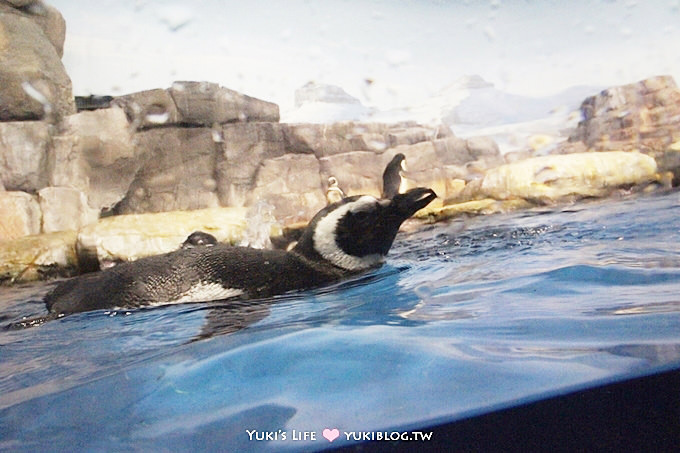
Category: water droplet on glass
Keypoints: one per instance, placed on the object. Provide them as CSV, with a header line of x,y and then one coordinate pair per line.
x,y
398,57
175,16
489,33
35,94
210,184
217,136
471,22
260,218
157,117
376,145
178,86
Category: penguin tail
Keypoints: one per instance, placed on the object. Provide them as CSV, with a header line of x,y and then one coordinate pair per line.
x,y
32,322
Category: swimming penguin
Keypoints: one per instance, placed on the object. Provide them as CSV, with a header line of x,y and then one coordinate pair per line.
x,y
334,193
199,238
344,238
393,180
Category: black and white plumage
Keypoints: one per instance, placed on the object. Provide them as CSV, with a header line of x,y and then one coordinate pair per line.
x,y
342,239
334,193
393,179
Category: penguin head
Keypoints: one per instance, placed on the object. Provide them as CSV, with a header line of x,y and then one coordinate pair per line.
x,y
357,232
398,163
198,238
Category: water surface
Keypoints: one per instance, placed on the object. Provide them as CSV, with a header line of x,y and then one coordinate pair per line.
x,y
465,317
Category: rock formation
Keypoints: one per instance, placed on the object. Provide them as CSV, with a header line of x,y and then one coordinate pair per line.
x,y
642,116
129,237
33,79
194,104
551,178
162,163
286,165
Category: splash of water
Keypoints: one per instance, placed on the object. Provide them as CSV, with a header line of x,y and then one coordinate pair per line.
x,y
260,219
34,93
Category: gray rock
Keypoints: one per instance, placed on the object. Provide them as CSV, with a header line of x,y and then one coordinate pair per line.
x,y
409,136
668,161
33,81
64,208
482,147
321,139
205,103
23,155
52,23
95,155
419,157
194,104
643,116
359,172
452,151
245,147
149,108
22,3
296,195
19,215
369,141
176,173
338,138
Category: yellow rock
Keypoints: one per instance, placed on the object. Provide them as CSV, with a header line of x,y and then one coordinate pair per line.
x,y
454,189
38,256
19,215
129,237
476,207
554,177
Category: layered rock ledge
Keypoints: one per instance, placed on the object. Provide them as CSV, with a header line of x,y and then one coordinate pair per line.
x,y
80,190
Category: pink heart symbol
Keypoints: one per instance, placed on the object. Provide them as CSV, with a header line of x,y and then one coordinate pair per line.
x,y
331,434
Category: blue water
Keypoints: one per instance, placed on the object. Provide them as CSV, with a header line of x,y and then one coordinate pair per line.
x,y
466,317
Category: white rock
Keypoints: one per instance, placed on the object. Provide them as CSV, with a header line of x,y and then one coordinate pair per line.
x,y
64,208
129,237
556,176
19,215
23,154
39,257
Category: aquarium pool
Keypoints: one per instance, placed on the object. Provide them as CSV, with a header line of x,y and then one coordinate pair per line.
x,y
466,317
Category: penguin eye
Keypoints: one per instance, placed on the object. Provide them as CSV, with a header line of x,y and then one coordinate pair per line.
x,y
361,215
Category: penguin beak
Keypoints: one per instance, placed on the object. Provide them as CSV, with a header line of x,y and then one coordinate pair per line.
x,y
404,205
